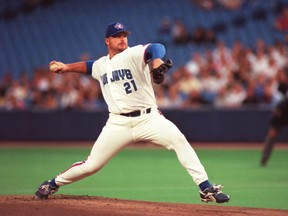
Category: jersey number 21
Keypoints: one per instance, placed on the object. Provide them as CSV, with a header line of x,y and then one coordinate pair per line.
x,y
130,86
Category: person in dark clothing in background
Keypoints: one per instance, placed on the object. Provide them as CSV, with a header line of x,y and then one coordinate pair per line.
x,y
278,120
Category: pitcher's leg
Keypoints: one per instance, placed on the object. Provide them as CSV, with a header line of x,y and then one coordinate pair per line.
x,y
190,161
114,137
108,144
163,132
186,155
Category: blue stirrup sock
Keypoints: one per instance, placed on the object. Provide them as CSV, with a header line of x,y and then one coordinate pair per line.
x,y
53,183
204,185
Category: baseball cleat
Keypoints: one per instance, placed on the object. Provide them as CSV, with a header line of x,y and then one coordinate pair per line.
x,y
44,190
214,194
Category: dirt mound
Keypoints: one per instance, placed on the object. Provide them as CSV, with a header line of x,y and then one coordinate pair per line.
x,y
15,205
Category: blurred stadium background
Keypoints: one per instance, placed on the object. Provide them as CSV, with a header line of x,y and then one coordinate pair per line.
x,y
34,32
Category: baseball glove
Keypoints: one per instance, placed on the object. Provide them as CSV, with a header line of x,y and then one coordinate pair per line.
x,y
158,73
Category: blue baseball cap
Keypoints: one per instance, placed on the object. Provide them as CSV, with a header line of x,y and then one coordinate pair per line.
x,y
115,28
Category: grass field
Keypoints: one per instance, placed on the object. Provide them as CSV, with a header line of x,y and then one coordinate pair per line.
x,y
152,174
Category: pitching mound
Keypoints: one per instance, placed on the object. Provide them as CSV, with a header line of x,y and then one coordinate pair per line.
x,y
12,205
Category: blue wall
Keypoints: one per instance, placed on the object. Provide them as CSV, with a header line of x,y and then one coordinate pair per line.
x,y
203,125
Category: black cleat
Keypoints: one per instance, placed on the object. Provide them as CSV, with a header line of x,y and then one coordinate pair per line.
x,y
44,190
214,194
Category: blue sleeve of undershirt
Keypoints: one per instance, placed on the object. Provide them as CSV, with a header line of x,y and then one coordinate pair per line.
x,y
153,51
89,66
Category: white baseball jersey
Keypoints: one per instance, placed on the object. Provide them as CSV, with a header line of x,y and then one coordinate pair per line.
x,y
125,81
126,86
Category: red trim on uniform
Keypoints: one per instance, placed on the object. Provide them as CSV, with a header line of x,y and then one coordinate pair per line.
x,y
74,165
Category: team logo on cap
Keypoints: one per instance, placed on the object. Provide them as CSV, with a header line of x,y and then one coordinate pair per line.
x,y
119,26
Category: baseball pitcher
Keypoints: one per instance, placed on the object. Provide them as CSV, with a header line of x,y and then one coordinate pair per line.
x,y
125,75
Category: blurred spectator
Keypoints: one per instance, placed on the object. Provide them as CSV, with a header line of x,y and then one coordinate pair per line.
x,y
205,4
231,4
281,22
179,32
16,95
165,26
279,53
201,35
263,89
195,64
5,83
272,69
164,30
198,35
223,59
221,50
242,67
48,101
231,97
161,97
193,100
71,93
222,76
208,58
189,87
261,45
85,56
50,91
175,99
212,83
251,99
210,36
189,83
92,96
260,63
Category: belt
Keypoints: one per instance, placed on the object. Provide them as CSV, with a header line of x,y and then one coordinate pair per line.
x,y
136,113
